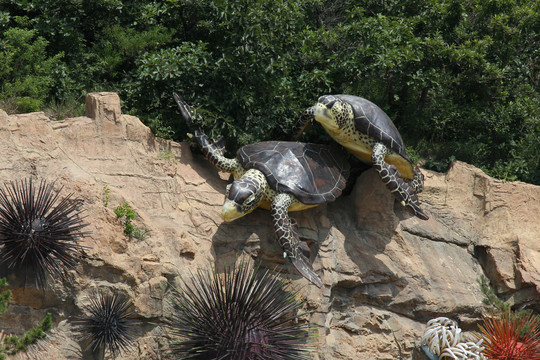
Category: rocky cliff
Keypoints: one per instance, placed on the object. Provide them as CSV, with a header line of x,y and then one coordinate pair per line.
x,y
385,273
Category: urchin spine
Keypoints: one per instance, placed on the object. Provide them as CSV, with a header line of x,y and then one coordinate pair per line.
x,y
242,314
107,324
38,232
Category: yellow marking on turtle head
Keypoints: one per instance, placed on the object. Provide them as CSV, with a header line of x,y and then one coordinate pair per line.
x,y
326,117
230,212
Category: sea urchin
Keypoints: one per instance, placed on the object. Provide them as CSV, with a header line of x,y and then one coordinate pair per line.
x,y
243,314
108,323
36,233
512,336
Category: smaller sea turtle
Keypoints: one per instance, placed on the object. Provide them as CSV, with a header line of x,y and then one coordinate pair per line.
x,y
366,131
279,176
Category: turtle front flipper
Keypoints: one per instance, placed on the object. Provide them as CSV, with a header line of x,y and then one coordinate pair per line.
x,y
394,182
302,124
287,237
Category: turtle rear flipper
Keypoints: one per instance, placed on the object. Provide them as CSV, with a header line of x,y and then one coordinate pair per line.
x,y
184,109
212,150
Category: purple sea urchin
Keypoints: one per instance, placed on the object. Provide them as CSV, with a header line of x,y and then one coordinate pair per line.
x,y
243,314
108,323
36,234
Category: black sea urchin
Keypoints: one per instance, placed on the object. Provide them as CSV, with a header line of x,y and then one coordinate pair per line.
x,y
36,234
108,323
243,314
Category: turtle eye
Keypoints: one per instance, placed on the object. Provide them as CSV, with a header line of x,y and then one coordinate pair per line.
x,y
328,101
331,104
249,201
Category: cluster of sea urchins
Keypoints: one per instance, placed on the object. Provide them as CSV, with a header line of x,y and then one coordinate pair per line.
x,y
38,233
243,314
107,323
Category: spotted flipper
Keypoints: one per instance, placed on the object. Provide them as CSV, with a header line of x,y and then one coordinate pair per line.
x,y
405,193
287,236
303,123
418,182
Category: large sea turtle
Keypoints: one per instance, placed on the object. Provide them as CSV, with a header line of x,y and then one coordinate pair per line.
x,y
367,132
280,176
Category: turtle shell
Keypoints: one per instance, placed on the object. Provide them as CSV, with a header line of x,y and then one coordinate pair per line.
x,y
372,120
313,173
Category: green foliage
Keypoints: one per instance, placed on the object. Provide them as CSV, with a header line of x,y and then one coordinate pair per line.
x,y
168,155
4,301
107,197
127,214
68,108
490,297
461,80
25,69
12,345
5,296
140,233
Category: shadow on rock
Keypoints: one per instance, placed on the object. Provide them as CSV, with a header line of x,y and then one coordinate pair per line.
x,y
254,235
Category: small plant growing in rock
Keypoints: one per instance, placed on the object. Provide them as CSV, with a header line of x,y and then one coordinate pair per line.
x,y
106,195
11,345
107,324
243,314
5,296
14,344
167,155
127,214
38,234
490,297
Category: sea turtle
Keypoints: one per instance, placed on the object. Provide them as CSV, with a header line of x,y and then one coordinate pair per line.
x,y
367,132
279,176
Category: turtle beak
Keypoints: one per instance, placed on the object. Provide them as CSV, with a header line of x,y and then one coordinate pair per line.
x,y
323,115
230,211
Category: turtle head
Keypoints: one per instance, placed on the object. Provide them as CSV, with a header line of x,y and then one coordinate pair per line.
x,y
332,112
242,196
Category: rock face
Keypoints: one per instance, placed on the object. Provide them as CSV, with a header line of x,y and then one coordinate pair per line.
x,y
385,273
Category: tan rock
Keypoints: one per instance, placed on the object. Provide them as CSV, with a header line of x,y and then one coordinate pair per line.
x,y
103,106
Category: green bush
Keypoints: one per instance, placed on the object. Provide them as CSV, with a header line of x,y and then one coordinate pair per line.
x,y
25,69
459,79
